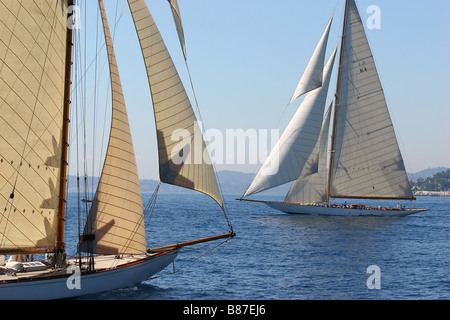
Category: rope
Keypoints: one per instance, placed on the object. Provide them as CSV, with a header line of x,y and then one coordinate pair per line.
x,y
223,207
193,261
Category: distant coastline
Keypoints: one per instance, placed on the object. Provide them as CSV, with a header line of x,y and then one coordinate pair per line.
x,y
235,182
433,193
437,183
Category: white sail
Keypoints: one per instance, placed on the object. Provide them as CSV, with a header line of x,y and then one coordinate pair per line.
x,y
32,78
183,158
178,23
312,188
116,217
312,76
366,161
291,155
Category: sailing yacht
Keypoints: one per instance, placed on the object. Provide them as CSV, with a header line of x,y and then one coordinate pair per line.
x,y
35,90
364,159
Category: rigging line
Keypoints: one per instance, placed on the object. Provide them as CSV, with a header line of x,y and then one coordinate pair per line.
x,y
202,130
108,89
94,130
84,109
80,96
193,90
193,260
78,93
223,207
149,209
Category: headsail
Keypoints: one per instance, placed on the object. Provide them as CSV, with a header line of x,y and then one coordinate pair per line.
x,y
116,217
312,76
183,162
32,68
291,155
366,161
312,188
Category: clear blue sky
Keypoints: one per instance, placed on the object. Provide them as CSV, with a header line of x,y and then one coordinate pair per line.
x,y
246,58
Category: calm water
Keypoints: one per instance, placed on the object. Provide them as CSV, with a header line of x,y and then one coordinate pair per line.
x,y
279,256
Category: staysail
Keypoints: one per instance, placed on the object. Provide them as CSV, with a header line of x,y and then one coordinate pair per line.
x,y
116,223
312,76
183,159
312,188
366,160
32,68
179,24
291,155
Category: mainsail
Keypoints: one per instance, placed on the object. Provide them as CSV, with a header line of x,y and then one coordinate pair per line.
x,y
183,162
291,155
32,68
366,160
116,223
312,76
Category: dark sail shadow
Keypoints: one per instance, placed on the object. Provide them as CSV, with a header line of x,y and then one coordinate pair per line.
x,y
169,172
54,161
89,242
53,201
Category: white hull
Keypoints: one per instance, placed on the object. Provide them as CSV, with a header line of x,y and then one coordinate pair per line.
x,y
338,211
100,281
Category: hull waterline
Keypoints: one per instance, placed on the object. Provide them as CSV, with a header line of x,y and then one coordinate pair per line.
x,y
340,211
355,210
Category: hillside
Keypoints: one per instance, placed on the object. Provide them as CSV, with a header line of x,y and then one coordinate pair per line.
x,y
440,181
425,173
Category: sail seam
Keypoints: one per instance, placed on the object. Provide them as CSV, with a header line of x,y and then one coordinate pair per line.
x,y
186,99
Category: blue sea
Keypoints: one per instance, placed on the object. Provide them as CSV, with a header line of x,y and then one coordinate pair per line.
x,y
278,256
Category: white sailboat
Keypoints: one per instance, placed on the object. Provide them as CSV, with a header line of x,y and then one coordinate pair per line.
x,y
35,65
364,159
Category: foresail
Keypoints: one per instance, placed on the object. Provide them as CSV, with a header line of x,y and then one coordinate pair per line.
x,y
366,160
312,76
32,69
183,158
291,155
312,188
178,23
116,220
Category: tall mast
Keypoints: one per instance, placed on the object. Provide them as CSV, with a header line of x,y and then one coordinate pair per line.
x,y
336,104
60,244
